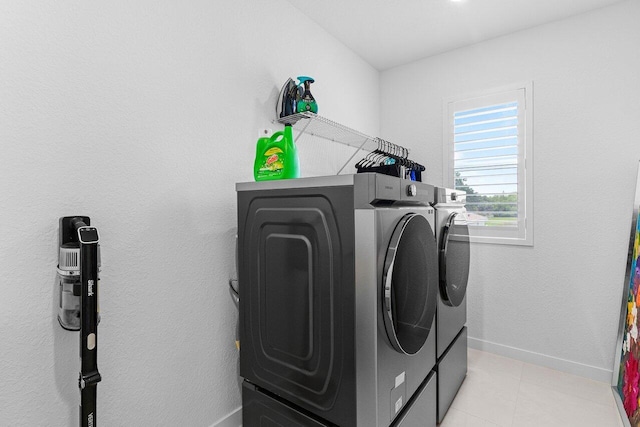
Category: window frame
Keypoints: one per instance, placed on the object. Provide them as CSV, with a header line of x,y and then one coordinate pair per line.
x,y
523,92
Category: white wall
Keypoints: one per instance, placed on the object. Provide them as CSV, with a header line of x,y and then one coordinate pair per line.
x,y
143,115
556,303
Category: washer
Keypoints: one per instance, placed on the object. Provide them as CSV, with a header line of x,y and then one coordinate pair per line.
x,y
338,292
452,234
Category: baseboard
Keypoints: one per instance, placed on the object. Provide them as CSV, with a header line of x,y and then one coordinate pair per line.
x,y
568,366
620,407
234,419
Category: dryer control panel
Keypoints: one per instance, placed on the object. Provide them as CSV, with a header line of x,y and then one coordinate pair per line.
x,y
388,189
450,195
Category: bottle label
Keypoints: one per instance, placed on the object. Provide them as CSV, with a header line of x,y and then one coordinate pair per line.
x,y
272,164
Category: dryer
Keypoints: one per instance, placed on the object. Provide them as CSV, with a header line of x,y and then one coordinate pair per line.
x,y
338,291
452,234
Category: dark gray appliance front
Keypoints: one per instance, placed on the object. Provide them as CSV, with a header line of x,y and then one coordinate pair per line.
x,y
406,325
452,369
260,409
454,259
338,288
420,412
297,341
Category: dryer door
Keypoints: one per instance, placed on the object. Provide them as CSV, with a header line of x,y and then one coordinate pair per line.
x,y
410,281
454,259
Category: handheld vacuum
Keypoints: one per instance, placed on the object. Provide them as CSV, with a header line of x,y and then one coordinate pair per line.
x,y
78,267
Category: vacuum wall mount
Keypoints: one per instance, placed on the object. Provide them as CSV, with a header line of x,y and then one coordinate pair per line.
x,y
78,267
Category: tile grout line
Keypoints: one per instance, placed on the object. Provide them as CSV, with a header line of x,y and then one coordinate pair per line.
x,y
515,409
522,379
495,370
566,394
481,418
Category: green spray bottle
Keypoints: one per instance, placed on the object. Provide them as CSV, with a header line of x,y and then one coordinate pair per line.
x,y
276,157
306,102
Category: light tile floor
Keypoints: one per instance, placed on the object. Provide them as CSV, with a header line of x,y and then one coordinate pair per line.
x,y
502,392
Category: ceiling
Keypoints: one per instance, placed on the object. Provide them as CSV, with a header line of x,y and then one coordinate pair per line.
x,y
388,33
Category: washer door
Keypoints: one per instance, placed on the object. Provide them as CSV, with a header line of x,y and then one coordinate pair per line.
x,y
454,259
410,284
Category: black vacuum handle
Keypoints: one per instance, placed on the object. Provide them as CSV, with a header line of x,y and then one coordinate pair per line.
x,y
89,375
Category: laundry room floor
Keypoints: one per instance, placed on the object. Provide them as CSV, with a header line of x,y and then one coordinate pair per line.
x,y
503,392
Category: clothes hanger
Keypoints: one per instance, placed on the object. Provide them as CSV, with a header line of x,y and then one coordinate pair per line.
x,y
366,159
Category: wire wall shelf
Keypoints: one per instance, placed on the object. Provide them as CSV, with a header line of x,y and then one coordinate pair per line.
x,y
314,125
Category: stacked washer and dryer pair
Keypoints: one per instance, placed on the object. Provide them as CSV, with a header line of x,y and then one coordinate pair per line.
x,y
339,289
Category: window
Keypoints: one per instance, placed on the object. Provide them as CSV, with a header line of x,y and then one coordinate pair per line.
x,y
488,154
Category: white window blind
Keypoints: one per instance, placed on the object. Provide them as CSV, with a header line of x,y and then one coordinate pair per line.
x,y
489,150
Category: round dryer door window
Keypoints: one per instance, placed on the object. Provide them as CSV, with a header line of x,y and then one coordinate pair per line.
x,y
409,284
454,260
